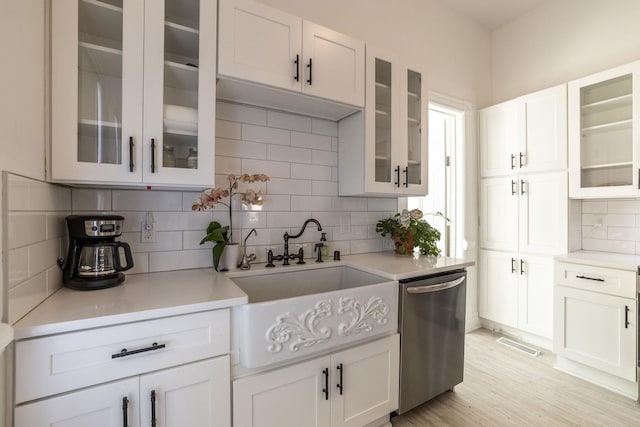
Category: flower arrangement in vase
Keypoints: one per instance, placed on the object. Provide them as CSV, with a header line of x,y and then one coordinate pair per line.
x,y
408,230
215,232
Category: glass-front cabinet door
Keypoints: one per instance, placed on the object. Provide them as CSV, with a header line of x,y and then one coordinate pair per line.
x,y
133,92
604,150
179,91
96,90
414,179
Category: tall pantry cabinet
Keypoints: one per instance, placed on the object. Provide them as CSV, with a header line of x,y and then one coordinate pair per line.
x,y
133,88
523,208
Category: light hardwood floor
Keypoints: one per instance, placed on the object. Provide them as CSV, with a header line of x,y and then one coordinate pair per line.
x,y
505,387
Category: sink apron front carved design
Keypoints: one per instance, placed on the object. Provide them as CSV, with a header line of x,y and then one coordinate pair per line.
x,y
292,314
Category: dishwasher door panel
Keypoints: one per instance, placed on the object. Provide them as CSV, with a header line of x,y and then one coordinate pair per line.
x,y
432,328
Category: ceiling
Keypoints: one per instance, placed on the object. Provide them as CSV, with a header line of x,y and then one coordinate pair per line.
x,y
492,13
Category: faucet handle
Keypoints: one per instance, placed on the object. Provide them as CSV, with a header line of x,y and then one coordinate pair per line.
x,y
301,255
270,259
318,248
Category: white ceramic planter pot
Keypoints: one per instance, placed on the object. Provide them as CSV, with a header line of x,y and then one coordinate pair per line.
x,y
230,257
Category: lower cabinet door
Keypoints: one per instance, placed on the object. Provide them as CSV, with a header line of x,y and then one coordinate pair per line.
x,y
596,330
365,382
110,405
535,295
194,395
498,287
293,396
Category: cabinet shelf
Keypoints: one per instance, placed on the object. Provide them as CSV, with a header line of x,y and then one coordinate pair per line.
x,y
100,19
607,166
181,40
619,125
181,76
100,59
96,123
413,97
607,104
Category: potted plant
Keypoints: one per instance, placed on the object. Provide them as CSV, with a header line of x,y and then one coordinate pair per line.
x,y
408,230
222,237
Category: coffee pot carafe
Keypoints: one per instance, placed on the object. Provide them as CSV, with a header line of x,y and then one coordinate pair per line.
x,y
94,259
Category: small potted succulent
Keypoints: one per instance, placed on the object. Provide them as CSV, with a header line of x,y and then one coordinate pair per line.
x,y
408,230
222,237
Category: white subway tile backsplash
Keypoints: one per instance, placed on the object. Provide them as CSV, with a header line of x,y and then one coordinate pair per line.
x,y
288,154
26,296
350,204
324,188
288,186
140,263
273,202
382,204
616,246
54,279
241,113
266,134
324,127
367,245
180,260
270,168
165,241
313,172
43,255
286,219
594,206
47,197
56,224
225,165
192,239
616,220
18,265
277,119
334,144
146,200
308,140
252,219
91,199
227,129
326,158
623,233
358,232
313,203
25,228
241,149
18,192
623,207
591,232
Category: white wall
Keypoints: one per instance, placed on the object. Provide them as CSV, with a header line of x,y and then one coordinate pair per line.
x,y
561,41
453,50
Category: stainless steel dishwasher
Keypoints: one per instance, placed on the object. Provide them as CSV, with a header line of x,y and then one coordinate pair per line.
x,y
431,321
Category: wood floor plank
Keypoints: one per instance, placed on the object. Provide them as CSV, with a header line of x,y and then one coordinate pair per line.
x,y
505,387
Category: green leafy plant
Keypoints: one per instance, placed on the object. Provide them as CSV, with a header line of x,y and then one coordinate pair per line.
x,y
218,235
408,230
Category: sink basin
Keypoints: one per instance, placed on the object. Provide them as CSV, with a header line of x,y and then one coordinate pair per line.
x,y
292,314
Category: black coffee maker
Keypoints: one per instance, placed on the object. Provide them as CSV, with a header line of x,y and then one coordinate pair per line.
x,y
93,260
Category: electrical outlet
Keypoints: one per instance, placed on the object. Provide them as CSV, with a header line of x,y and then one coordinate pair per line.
x,y
148,230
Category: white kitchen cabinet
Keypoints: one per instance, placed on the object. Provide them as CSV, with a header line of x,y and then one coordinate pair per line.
x,y
604,138
195,395
595,332
133,92
263,45
517,291
525,213
350,388
182,359
527,134
383,150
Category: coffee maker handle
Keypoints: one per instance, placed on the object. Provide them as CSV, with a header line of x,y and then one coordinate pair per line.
x,y
127,254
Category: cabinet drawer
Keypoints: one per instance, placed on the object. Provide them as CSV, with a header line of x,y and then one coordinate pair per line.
x,y
58,363
598,279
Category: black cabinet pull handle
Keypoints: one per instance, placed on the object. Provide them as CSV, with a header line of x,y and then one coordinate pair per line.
x,y
153,155
397,171
513,161
521,157
522,186
590,278
513,187
310,71
125,407
521,267
626,317
124,352
325,390
406,177
513,265
131,165
297,62
153,408
339,385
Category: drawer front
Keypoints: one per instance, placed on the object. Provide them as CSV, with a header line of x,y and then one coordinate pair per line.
x,y
59,363
608,281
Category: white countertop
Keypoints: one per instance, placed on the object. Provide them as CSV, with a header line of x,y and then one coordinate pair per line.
x,y
140,297
399,267
172,293
602,259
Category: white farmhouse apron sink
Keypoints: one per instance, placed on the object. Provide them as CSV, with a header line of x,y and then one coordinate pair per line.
x,y
296,313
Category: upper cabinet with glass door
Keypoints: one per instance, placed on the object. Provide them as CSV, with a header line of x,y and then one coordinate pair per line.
x,y
383,150
118,64
604,143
